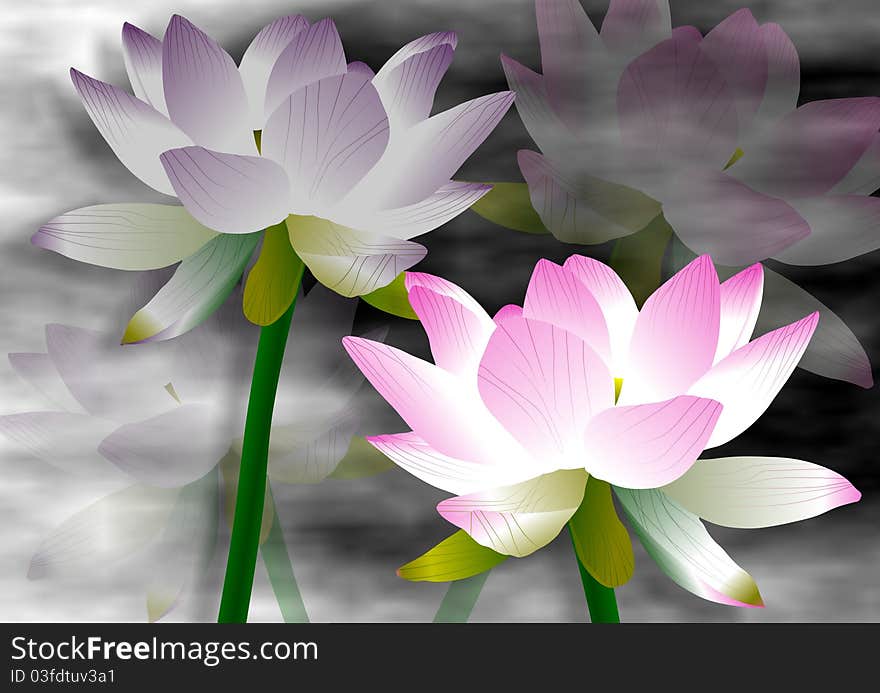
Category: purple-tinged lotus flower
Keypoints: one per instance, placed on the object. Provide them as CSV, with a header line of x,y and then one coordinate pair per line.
x,y
349,159
160,419
519,411
637,119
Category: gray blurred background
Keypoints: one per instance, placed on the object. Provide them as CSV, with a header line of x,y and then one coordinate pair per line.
x,y
348,537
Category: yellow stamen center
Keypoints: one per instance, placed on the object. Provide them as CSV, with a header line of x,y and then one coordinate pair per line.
x,y
737,155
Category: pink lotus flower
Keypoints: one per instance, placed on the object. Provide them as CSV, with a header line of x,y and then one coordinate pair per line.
x,y
706,126
350,159
637,119
519,410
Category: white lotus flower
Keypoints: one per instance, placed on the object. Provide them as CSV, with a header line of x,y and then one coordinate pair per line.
x,y
351,161
166,415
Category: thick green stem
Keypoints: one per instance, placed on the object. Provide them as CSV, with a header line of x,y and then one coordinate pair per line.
x,y
601,601
280,571
249,500
460,599
638,260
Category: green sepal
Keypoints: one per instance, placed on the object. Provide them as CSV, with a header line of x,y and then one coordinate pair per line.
x,y
393,299
274,279
455,558
361,460
509,205
600,539
638,259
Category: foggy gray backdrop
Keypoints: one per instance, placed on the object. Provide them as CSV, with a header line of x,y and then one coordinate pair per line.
x,y
347,538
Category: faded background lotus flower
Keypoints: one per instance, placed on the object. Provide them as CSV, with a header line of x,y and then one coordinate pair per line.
x,y
343,164
519,415
347,538
163,423
637,118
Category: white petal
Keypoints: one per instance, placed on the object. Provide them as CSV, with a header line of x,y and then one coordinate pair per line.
x,y
752,492
557,296
314,54
435,404
740,304
259,59
408,81
307,452
108,379
109,529
834,351
414,220
632,26
124,236
544,384
783,77
534,109
348,261
457,326
737,46
427,155
520,519
136,132
182,553
227,192
203,90
675,107
327,135
66,441
864,177
748,380
616,301
648,445
578,75
681,547
587,210
40,373
675,336
412,453
143,63
169,450
199,286
841,227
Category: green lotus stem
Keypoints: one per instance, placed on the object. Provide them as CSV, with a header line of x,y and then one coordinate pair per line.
x,y
601,602
460,599
249,499
638,260
280,570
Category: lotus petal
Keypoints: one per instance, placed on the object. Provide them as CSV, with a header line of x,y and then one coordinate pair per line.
x,y
680,545
124,236
752,492
259,59
520,519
